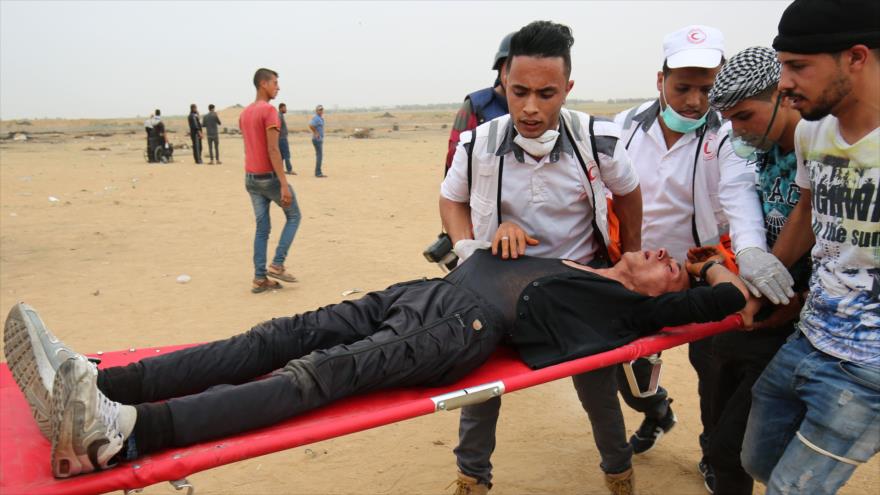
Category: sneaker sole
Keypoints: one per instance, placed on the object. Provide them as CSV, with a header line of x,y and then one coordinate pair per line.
x,y
23,350
287,278
75,442
659,435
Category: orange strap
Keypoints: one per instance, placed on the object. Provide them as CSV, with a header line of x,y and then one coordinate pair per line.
x,y
614,250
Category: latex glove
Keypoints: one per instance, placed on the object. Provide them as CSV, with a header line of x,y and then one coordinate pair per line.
x,y
764,274
466,247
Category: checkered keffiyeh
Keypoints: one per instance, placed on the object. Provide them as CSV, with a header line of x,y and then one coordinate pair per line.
x,y
746,74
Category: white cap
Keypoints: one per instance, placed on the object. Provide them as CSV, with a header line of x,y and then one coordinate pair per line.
x,y
694,46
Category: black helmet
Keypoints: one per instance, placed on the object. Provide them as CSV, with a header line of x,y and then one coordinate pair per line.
x,y
502,52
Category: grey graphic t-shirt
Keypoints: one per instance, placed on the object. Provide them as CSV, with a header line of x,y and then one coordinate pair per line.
x,y
842,314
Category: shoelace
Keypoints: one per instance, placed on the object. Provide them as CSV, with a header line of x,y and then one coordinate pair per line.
x,y
108,411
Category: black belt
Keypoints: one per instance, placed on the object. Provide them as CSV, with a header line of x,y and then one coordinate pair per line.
x,y
261,176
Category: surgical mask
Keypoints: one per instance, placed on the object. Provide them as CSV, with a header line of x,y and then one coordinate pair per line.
x,y
743,147
540,146
676,121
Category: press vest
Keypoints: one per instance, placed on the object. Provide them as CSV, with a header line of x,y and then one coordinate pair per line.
x,y
487,104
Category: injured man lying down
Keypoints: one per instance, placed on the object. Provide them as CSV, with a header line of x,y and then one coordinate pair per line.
x,y
419,333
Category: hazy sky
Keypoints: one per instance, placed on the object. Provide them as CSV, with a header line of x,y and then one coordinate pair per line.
x,y
121,59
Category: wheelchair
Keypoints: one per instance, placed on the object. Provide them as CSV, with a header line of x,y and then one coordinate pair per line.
x,y
158,151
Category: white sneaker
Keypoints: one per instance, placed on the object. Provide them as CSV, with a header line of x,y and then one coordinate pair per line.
x,y
34,355
85,429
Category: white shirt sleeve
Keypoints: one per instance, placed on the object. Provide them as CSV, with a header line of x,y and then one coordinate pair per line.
x,y
455,185
802,179
618,173
739,198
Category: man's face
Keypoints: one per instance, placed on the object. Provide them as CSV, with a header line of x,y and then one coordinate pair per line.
x,y
320,112
750,119
282,109
270,86
816,83
655,272
536,89
687,89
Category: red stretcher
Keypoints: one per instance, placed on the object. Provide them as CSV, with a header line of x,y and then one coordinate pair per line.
x,y
25,454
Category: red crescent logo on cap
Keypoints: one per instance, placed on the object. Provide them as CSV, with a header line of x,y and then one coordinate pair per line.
x,y
696,36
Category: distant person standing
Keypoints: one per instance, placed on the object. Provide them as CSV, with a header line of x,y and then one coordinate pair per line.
x,y
212,123
283,144
265,181
316,125
195,133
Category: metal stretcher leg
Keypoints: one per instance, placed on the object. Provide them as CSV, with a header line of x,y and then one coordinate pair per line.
x,y
656,364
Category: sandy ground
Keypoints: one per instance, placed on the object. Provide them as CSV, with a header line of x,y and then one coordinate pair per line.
x,y
100,264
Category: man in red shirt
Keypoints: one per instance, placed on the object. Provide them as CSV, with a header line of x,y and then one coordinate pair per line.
x,y
265,181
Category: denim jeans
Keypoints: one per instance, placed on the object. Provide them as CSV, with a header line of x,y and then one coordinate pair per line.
x,y
319,154
814,418
263,193
284,147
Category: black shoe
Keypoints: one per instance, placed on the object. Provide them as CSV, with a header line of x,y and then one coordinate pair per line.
x,y
708,473
650,431
322,176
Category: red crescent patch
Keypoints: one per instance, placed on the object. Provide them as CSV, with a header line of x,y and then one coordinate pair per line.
x,y
696,36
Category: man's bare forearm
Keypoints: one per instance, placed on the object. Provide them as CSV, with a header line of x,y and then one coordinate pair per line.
x,y
456,219
628,208
797,236
275,154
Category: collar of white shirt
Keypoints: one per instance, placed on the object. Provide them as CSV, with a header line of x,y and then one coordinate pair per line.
x,y
563,144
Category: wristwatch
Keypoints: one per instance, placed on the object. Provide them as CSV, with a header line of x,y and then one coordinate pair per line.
x,y
705,268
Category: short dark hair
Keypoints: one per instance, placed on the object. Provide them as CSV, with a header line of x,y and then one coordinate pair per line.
x,y
192,106
211,106
666,68
158,112
282,105
542,39
263,74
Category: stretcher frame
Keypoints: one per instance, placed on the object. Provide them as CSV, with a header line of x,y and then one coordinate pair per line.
x,y
25,454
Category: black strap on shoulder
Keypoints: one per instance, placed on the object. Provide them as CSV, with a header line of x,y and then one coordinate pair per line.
x,y
603,248
470,159
498,194
631,136
720,144
694,191
593,145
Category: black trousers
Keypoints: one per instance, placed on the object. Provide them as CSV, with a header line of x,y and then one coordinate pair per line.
x,y
741,358
213,147
197,147
417,333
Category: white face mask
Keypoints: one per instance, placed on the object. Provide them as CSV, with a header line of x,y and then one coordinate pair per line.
x,y
540,146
